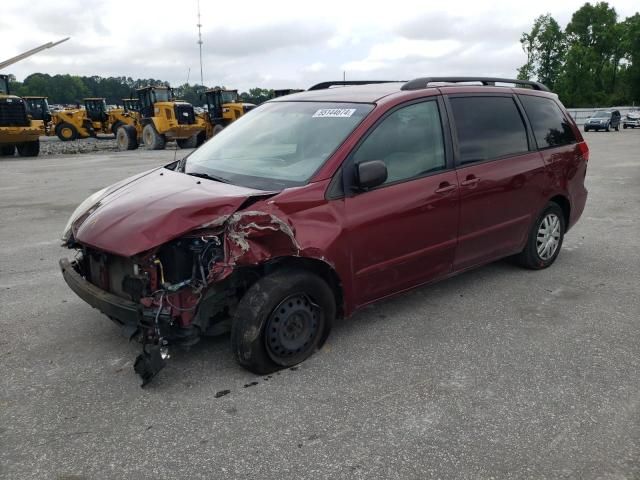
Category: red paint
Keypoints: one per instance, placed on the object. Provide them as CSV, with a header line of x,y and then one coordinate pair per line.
x,y
379,242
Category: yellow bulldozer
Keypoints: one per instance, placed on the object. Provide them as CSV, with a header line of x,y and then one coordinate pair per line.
x,y
222,108
18,131
161,118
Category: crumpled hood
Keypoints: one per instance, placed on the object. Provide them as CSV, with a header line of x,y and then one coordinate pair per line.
x,y
153,208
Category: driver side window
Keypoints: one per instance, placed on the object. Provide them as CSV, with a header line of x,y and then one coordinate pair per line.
x,y
409,141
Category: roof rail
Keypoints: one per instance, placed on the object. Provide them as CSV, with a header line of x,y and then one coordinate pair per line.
x,y
423,82
344,83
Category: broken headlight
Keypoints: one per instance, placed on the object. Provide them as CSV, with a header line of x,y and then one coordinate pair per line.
x,y
81,210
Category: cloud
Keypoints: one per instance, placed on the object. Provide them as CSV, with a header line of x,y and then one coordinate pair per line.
x,y
402,49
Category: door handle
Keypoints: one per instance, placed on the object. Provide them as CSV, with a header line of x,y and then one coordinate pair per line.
x,y
445,187
470,180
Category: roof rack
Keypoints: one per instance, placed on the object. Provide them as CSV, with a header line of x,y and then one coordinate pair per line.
x,y
344,83
423,82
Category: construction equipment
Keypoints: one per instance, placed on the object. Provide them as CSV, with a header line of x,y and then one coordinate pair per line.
x,y
38,109
161,118
94,118
17,129
131,105
223,107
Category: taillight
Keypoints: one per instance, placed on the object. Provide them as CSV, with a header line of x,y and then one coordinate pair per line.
x,y
584,150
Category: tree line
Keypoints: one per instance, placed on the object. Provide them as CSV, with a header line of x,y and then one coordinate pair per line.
x,y
71,89
593,62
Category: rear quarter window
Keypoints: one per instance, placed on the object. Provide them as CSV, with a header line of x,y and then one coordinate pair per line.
x,y
550,126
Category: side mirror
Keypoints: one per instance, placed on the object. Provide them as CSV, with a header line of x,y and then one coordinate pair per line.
x,y
370,174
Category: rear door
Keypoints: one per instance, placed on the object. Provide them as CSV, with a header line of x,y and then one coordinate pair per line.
x,y
403,233
501,177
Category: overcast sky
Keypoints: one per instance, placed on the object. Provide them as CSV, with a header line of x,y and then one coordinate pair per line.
x,y
275,44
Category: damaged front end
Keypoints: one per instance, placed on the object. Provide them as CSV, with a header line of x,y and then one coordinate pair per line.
x,y
171,295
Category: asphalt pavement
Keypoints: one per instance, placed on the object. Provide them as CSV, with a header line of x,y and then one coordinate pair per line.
x,y
496,373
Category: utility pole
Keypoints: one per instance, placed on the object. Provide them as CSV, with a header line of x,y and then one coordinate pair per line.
x,y
200,44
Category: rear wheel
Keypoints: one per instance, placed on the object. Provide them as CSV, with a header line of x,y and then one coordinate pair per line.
x,y
29,149
127,138
545,239
7,150
66,132
201,138
152,139
282,320
190,142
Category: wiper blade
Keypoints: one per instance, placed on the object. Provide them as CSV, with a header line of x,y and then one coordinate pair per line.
x,y
208,177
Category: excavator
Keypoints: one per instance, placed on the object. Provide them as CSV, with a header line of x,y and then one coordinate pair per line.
x,y
18,129
161,118
223,107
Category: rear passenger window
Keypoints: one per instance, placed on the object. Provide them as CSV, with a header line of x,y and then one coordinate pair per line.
x,y
550,126
488,127
409,141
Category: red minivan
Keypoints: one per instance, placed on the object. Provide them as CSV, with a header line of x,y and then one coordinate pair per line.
x,y
318,203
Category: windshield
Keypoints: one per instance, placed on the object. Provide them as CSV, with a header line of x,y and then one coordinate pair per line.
x,y
601,115
279,145
229,96
161,94
4,85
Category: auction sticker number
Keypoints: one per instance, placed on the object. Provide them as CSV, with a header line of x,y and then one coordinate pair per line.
x,y
334,113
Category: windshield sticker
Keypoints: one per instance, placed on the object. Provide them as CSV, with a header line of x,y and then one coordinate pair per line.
x,y
334,112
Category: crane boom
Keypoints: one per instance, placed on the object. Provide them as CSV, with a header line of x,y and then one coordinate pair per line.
x,y
28,53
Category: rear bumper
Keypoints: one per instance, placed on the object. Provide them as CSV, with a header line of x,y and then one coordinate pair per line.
x,y
124,312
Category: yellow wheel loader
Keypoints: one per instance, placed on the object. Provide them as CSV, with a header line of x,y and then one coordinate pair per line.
x,y
223,107
71,124
161,118
38,109
18,131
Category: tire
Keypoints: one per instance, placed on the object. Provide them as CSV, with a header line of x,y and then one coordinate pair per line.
x,y
7,151
190,142
586,129
115,127
607,128
201,138
152,139
66,132
281,303
534,255
127,138
217,129
29,149
624,126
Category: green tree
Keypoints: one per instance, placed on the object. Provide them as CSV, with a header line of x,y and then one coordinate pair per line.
x,y
545,49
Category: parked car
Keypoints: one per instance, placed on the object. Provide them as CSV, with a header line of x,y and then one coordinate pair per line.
x,y
325,201
603,120
632,119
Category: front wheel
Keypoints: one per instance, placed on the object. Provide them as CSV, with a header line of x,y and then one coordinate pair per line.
x,y
7,150
282,320
152,139
29,149
191,142
545,239
586,129
66,132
